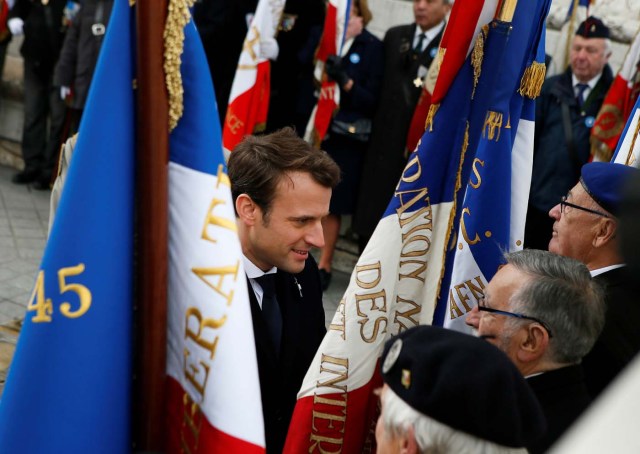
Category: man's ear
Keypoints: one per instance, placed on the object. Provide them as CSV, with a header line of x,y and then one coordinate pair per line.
x,y
408,443
534,344
247,210
605,231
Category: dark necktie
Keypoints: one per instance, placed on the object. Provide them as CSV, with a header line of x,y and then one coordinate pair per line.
x,y
580,96
418,48
270,308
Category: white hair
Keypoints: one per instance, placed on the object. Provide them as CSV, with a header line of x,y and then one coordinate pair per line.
x,y
433,437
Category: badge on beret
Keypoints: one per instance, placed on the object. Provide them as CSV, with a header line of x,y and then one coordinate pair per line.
x,y
354,58
392,356
406,378
589,121
433,52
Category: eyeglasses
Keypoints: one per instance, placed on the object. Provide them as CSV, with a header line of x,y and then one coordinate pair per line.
x,y
563,203
482,307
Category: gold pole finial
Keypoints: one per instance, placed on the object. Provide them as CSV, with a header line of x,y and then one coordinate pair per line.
x,y
507,9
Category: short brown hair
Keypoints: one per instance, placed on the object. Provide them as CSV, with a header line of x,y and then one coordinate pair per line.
x,y
365,12
258,163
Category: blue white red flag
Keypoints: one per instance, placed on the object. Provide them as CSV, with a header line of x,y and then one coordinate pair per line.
x,y
628,149
395,283
331,43
213,396
251,89
68,388
494,208
617,106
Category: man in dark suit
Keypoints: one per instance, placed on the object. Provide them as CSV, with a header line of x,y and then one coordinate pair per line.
x,y
281,189
586,228
545,312
409,51
565,113
44,111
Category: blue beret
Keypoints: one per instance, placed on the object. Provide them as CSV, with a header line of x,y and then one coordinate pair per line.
x,y
463,382
592,27
604,181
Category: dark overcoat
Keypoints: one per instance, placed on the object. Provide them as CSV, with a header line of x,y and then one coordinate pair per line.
x,y
563,397
81,48
303,328
399,95
619,341
554,172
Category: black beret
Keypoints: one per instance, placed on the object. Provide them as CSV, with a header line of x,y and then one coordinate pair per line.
x,y
592,27
603,181
463,382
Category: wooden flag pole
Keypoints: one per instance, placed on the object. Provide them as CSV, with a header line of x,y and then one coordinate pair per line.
x,y
152,230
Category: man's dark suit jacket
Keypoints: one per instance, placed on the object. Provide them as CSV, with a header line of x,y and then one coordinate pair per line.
x,y
563,397
385,159
620,338
303,329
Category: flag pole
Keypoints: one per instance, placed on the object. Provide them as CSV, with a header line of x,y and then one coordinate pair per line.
x,y
151,229
507,9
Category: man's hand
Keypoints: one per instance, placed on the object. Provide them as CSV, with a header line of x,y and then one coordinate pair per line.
x,y
16,26
333,67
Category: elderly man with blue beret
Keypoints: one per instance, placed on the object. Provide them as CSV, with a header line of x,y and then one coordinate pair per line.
x,y
449,392
586,228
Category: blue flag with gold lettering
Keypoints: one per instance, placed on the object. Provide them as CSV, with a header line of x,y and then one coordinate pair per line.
x,y
68,388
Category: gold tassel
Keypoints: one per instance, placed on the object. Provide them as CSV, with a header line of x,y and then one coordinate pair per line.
x,y
177,18
532,79
433,108
492,121
477,54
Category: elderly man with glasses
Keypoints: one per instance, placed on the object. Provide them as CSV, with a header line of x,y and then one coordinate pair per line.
x,y
586,229
545,312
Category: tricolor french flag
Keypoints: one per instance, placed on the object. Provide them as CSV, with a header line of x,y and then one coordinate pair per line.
x,y
249,99
617,106
213,391
331,43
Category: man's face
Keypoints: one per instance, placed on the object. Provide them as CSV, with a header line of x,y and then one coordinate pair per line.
x,y
386,442
429,13
491,326
573,229
292,227
587,57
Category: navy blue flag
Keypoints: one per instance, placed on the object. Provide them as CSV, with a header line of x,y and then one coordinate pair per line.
x,y
68,388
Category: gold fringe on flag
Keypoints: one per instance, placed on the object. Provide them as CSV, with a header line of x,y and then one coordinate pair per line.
x,y
492,122
433,108
477,54
450,230
532,79
178,17
630,158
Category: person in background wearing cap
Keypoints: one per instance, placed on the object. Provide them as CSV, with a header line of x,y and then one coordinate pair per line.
x,y
545,312
586,229
565,112
448,392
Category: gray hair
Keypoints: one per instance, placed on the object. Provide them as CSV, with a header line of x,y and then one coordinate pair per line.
x,y
433,437
562,294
